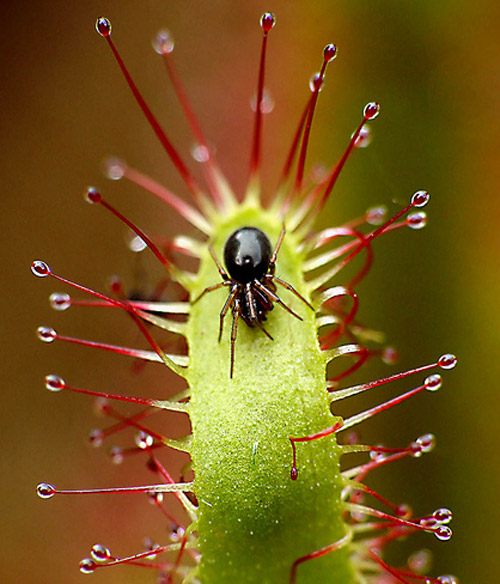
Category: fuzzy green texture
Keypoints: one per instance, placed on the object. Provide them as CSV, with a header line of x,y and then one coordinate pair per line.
x,y
254,521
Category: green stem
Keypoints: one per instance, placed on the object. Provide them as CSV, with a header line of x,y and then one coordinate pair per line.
x,y
254,521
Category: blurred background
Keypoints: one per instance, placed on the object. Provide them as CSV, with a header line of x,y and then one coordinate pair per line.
x,y
434,68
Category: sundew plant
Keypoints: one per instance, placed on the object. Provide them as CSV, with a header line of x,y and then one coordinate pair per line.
x,y
261,309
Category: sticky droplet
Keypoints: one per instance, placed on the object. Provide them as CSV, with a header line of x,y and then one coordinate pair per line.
x,y
420,199
45,491
92,195
330,52
46,334
100,553
267,21
54,383
114,168
371,110
40,269
417,220
447,361
87,566
60,301
103,26
433,382
163,43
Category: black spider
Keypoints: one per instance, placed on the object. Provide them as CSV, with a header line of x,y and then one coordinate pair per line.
x,y
248,258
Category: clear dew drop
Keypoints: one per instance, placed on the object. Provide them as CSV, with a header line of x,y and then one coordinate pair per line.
x,y
100,553
353,438
96,438
60,301
417,220
315,83
114,168
40,269
358,516
149,545
266,105
318,173
443,533
46,334
390,355
115,282
420,199
143,440
45,491
364,137
176,534
447,361
136,243
433,382
87,566
376,215
404,511
54,383
200,153
156,498
420,561
163,43
101,406
103,26
152,556
371,110
116,455
377,456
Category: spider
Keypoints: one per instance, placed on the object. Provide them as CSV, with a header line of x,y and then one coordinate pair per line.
x,y
252,294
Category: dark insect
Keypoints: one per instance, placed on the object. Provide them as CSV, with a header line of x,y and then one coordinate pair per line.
x,y
248,258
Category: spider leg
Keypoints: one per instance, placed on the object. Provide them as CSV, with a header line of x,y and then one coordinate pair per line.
x,y
250,298
227,280
259,324
251,303
225,308
222,271
275,298
234,330
212,288
291,288
272,261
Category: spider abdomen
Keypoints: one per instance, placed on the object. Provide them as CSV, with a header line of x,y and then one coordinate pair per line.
x,y
247,253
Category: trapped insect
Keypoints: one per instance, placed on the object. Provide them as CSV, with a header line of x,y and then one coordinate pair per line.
x,y
248,259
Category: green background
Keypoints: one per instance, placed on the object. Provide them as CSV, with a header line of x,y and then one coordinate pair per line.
x,y
434,68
